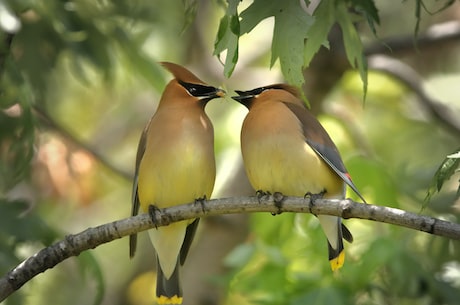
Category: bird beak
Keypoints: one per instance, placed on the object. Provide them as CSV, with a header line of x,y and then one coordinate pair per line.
x,y
212,93
220,92
242,95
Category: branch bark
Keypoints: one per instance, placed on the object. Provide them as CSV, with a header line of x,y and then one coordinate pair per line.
x,y
73,245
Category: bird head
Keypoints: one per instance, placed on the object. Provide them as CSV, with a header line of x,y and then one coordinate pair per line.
x,y
247,98
192,84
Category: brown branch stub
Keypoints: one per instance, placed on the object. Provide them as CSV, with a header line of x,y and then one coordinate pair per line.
x,y
73,245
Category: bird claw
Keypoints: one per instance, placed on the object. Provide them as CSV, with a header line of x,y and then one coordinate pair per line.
x,y
154,213
201,201
262,195
314,197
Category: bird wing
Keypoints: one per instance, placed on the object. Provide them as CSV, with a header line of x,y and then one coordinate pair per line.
x,y
189,234
135,196
318,139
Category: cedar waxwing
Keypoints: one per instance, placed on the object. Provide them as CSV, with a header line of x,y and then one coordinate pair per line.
x,y
285,149
175,165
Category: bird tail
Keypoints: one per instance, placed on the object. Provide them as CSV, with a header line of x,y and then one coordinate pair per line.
x,y
169,290
336,256
332,227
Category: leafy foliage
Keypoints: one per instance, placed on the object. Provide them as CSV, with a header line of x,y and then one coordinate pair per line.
x,y
68,29
227,37
62,45
297,35
16,144
289,34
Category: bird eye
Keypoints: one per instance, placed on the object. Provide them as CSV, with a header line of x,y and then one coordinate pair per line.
x,y
198,90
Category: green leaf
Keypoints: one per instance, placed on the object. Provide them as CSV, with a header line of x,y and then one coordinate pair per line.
x,y
290,32
352,42
227,37
448,167
255,13
326,14
317,34
291,28
370,12
297,36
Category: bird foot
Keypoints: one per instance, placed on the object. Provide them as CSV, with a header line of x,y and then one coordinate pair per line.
x,y
201,201
262,195
154,213
314,197
278,199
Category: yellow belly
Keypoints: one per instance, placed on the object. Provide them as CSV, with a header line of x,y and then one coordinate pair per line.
x,y
277,158
288,168
176,170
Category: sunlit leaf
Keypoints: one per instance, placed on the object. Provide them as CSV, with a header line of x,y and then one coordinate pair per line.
x,y
448,167
255,13
290,32
289,35
227,37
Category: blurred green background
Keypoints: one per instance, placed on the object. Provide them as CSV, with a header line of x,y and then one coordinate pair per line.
x,y
79,80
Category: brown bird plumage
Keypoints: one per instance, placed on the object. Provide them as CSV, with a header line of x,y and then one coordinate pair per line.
x,y
285,149
175,165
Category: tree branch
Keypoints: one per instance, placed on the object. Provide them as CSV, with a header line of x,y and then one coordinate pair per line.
x,y
73,245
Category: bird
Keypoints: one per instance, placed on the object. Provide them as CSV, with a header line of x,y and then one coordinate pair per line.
x,y
287,151
175,164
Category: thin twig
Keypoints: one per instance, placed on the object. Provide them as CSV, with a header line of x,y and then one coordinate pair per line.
x,y
434,37
410,78
73,245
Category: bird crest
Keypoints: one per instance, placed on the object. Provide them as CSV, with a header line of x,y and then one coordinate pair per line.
x,y
181,74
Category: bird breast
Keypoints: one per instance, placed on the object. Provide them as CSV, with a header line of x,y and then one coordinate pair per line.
x,y
178,165
277,157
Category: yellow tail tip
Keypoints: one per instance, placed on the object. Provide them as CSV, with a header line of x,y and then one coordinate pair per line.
x,y
162,299
337,262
